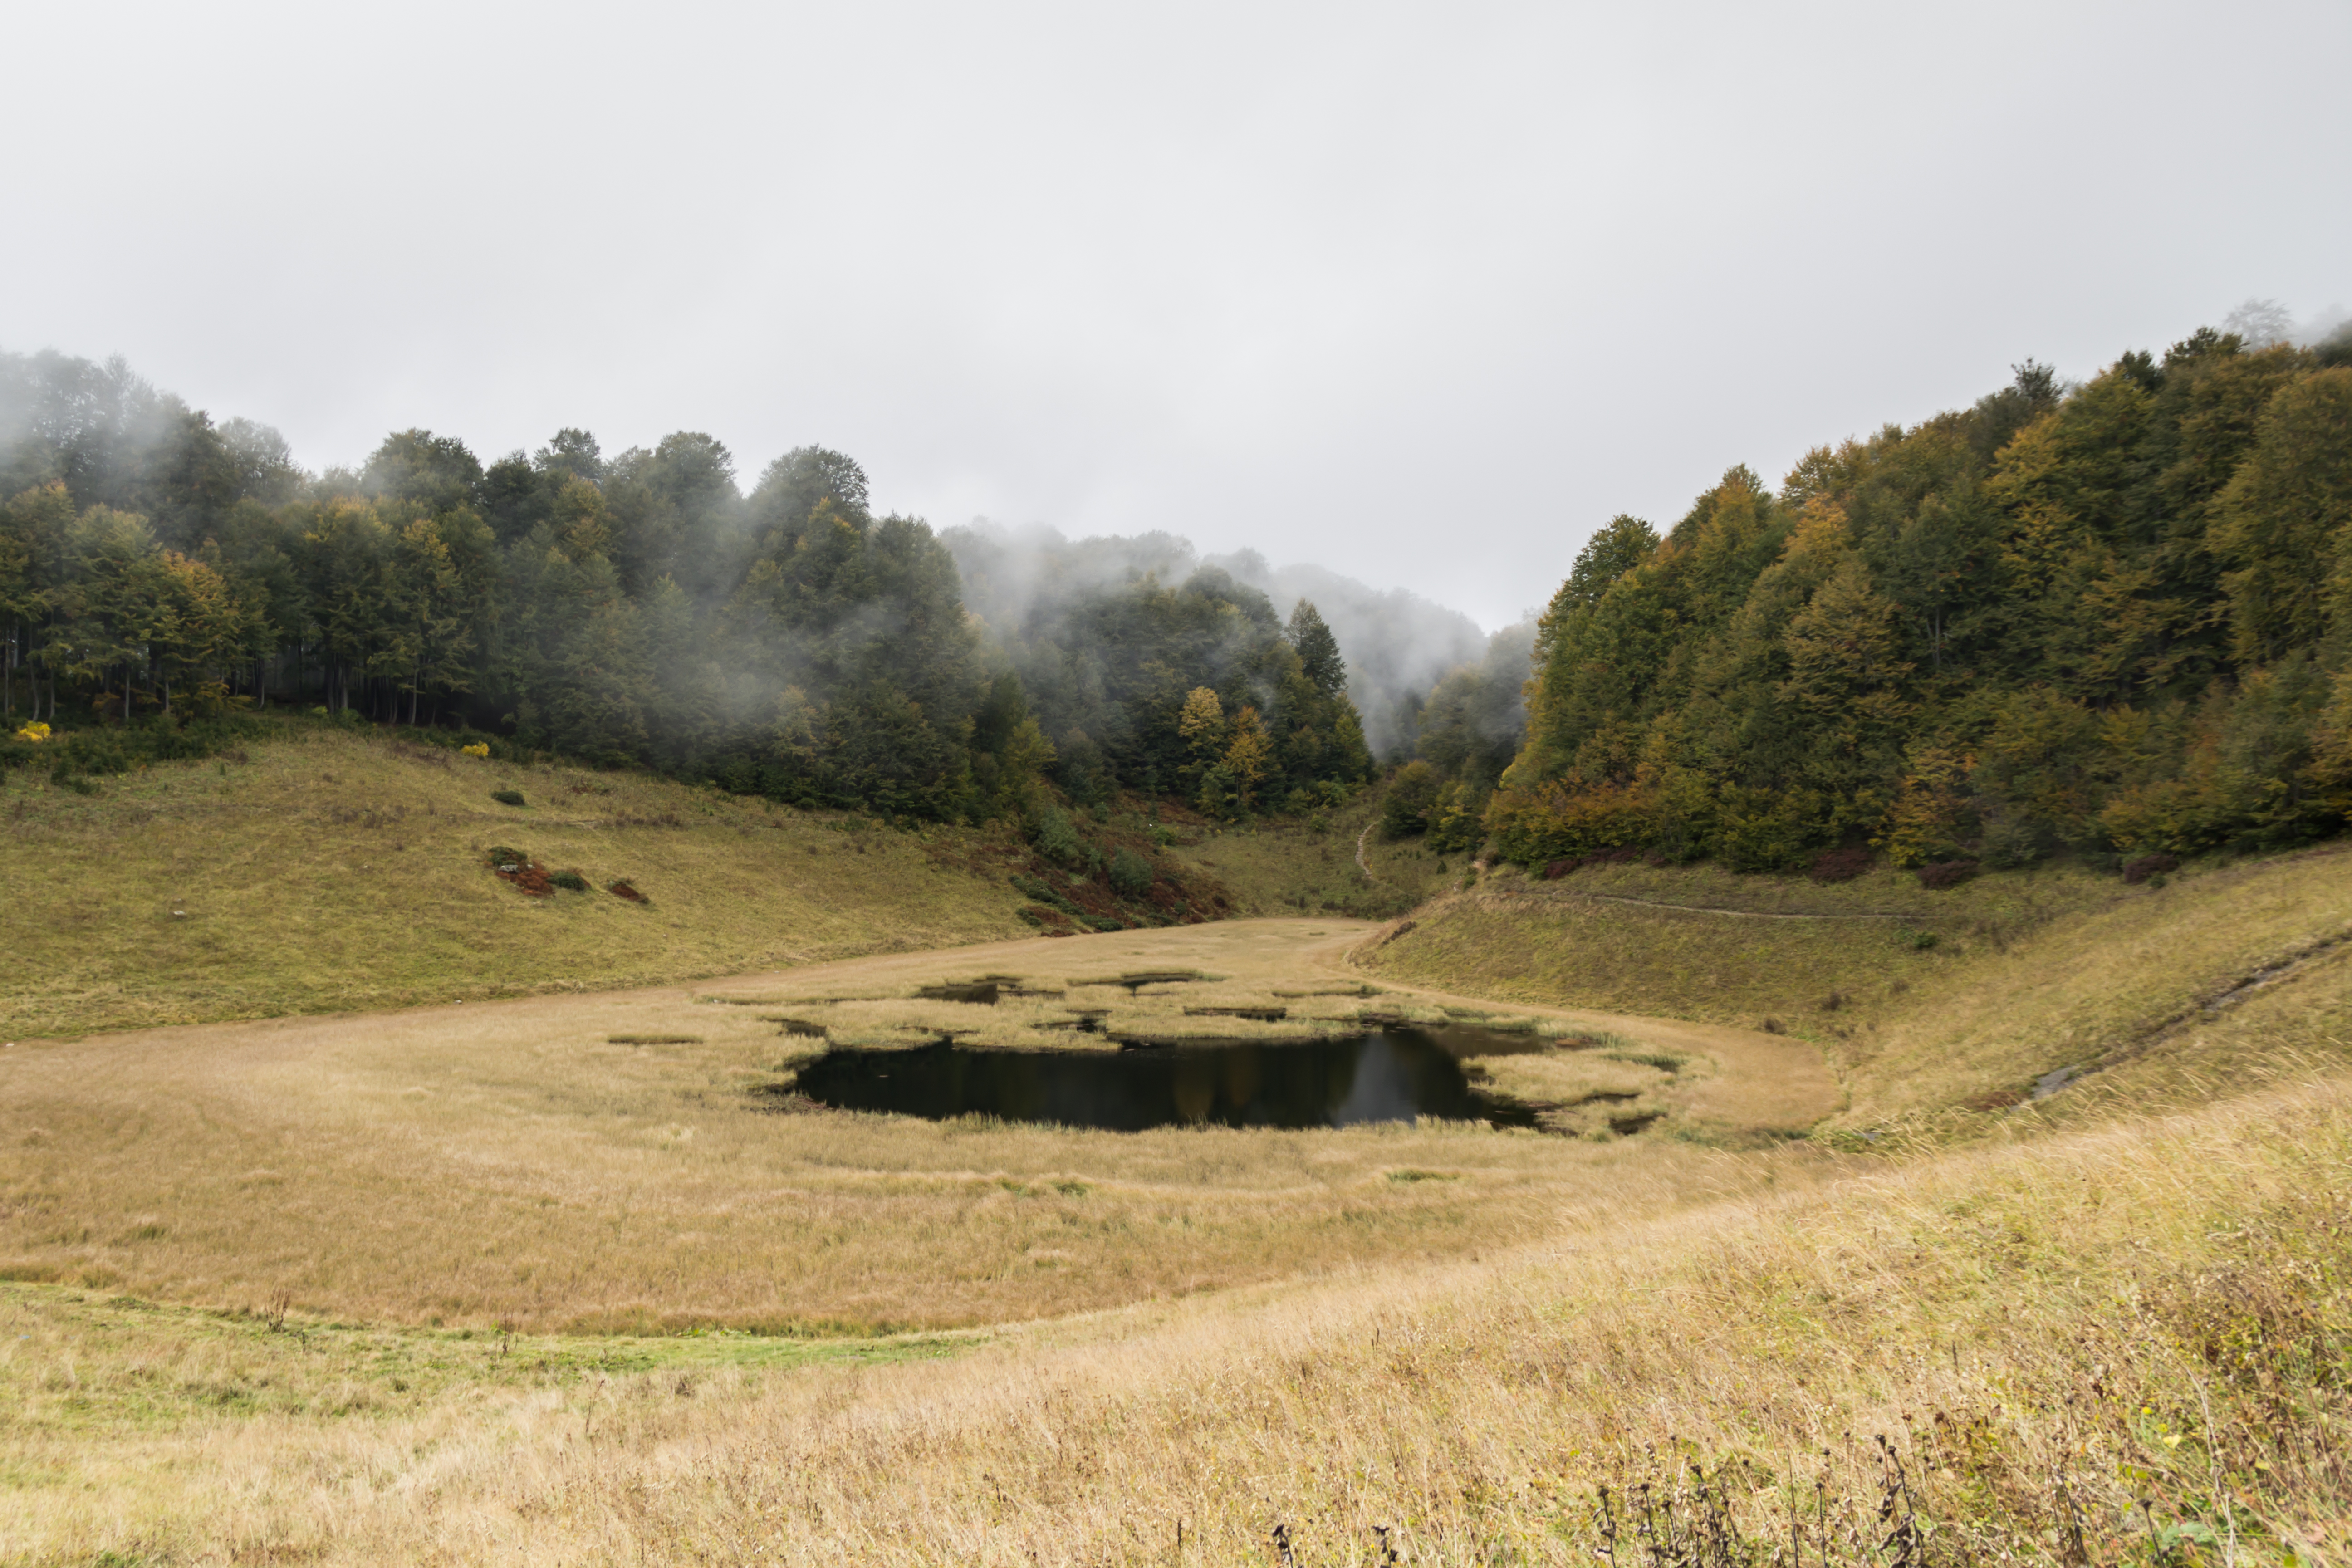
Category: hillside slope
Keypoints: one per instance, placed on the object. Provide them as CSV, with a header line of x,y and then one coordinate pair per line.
x,y
334,870
1948,1007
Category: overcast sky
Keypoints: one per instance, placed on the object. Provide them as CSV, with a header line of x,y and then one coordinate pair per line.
x,y
1423,293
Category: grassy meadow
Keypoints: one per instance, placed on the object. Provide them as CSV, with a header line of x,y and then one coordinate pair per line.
x,y
1304,867
528,1254
2027,973
2115,1345
329,869
621,1163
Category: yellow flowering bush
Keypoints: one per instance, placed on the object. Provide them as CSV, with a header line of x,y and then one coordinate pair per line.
x,y
33,731
478,749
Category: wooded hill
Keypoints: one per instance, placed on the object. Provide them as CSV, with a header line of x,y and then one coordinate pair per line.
x,y
156,566
2111,618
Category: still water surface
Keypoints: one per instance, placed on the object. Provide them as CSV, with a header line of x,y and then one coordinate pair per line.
x,y
1388,1075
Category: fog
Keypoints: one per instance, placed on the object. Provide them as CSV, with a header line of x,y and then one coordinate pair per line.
x,y
1396,643
1418,295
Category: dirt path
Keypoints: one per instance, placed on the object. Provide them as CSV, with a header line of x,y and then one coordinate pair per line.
x,y
1361,864
1740,914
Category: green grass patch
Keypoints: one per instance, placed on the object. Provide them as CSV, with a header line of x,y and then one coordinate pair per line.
x,y
348,870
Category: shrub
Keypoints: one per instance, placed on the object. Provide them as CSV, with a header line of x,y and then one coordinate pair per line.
x,y
1623,855
478,749
1534,825
1839,865
570,881
1412,794
1045,894
2008,846
101,750
1765,830
506,796
1130,873
1921,940
1947,873
2141,867
1057,839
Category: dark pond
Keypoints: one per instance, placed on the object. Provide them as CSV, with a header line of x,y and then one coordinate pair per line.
x,y
1389,1075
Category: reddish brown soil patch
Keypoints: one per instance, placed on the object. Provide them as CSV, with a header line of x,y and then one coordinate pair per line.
x,y
623,891
521,871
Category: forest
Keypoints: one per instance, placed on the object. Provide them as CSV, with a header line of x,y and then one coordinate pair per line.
x,y
161,572
2112,619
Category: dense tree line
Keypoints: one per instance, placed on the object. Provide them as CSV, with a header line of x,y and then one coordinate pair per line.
x,y
1189,685
1457,739
156,566
2113,617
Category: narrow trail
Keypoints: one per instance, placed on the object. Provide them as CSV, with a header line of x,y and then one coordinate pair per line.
x,y
1361,864
1741,914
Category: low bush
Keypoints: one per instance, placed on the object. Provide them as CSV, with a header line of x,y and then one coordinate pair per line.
x,y
1045,894
506,796
1130,873
1623,855
1058,838
1947,873
2141,867
1839,865
570,881
68,755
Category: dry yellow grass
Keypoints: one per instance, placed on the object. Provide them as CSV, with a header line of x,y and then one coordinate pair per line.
x,y
507,1162
343,871
1289,866
2032,972
2033,1327
2094,1335
1590,1092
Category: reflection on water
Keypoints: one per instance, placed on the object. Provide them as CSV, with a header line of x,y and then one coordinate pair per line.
x,y
1389,1075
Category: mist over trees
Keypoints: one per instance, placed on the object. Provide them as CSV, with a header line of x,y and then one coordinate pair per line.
x,y
638,607
2114,617
1457,739
1144,668
1396,644
2107,618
